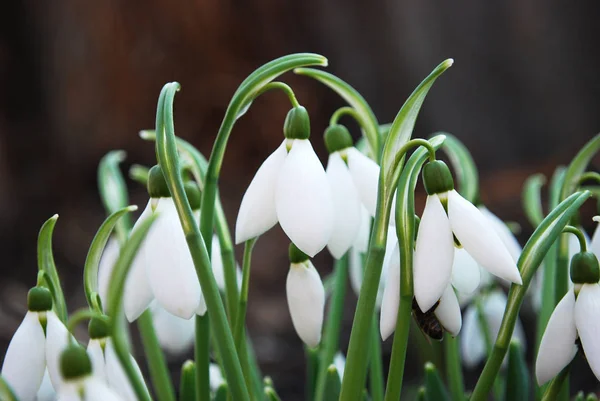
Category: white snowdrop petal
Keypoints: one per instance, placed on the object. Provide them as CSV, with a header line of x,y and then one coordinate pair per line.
x,y
215,376
216,261
448,312
25,360
138,294
361,242
339,360
57,339
506,236
465,272
96,354
391,297
257,212
306,301
355,269
117,378
97,390
347,206
365,173
303,199
175,335
434,254
472,342
473,231
557,347
587,311
169,264
595,242
391,244
46,391
105,268
70,392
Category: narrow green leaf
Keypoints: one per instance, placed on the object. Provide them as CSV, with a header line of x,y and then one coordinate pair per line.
x,y
221,393
517,375
92,261
187,387
139,174
422,394
113,190
353,98
403,124
463,166
532,199
578,166
6,393
46,263
434,386
333,384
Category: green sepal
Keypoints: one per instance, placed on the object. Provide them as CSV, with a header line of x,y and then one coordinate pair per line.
x,y
39,299
517,375
434,386
337,138
6,393
75,362
187,387
157,185
193,194
296,255
437,178
333,385
585,268
99,327
463,166
297,124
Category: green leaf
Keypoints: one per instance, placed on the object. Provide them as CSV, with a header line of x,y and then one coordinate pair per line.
x,y
579,165
368,121
403,124
187,387
221,393
6,393
46,263
463,166
580,396
532,199
92,261
517,375
333,384
591,397
113,190
139,174
434,386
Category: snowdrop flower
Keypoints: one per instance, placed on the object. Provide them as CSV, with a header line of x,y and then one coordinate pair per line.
x,y
472,341
32,350
575,317
507,237
448,215
216,261
215,376
163,267
175,335
291,188
46,391
306,297
105,268
79,382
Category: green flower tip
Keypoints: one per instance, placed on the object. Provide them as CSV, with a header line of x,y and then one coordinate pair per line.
x,y
296,255
332,369
193,194
75,362
297,124
437,178
267,381
337,138
99,327
429,367
39,299
585,268
188,366
157,185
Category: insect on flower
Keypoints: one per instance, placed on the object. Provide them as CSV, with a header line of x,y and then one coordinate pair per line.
x,y
427,321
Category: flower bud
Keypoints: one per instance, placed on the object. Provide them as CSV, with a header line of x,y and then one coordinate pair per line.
x,y
193,194
75,362
39,299
337,138
98,327
437,178
297,124
157,185
585,268
296,255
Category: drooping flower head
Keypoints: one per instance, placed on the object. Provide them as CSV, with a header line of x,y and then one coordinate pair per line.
x,y
291,188
306,297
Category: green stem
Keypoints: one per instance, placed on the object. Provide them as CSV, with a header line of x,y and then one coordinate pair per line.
x,y
187,384
330,343
589,175
312,368
82,315
580,237
157,365
168,159
454,368
556,385
489,343
281,86
350,111
375,363
396,371
202,357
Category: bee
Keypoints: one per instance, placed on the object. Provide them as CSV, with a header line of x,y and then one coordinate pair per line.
x,y
427,321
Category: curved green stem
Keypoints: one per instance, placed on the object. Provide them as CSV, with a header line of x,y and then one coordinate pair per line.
x,y
533,253
82,315
591,176
281,86
463,167
168,159
556,385
580,237
349,111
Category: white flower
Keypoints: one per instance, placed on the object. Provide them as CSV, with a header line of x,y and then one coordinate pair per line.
x,y
466,274
105,268
448,312
472,340
163,268
32,353
46,391
434,253
216,261
292,189
215,376
573,317
507,237
175,335
306,301
391,297
89,388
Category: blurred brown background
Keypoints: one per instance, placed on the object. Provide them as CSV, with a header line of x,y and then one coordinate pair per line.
x,y
79,78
